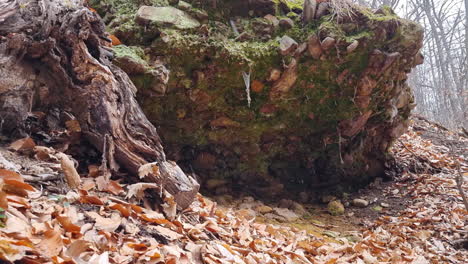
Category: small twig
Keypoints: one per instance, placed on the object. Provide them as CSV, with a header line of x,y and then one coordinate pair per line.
x,y
339,145
41,177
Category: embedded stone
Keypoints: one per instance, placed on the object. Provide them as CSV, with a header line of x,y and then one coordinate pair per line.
x,y
328,43
287,45
360,203
166,15
352,47
286,23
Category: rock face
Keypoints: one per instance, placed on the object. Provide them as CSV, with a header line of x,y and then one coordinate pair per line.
x,y
318,113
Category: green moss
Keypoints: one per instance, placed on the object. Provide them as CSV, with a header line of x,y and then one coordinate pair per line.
x,y
136,53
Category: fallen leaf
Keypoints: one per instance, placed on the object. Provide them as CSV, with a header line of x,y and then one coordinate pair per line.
x,y
138,189
149,168
23,144
106,224
51,244
67,224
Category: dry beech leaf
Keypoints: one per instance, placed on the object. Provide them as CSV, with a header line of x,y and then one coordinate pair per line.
x,y
91,199
45,154
76,249
138,189
67,224
167,233
10,252
93,171
3,200
109,186
68,167
23,144
124,210
149,168
52,244
18,200
106,224
170,206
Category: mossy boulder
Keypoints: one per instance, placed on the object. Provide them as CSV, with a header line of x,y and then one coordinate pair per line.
x,y
236,108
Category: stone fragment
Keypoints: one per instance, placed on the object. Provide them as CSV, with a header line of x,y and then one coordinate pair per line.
x,y
286,23
309,9
360,203
182,5
275,74
385,205
285,203
322,9
352,47
264,209
298,208
315,48
335,208
286,82
273,20
287,45
285,213
166,15
301,49
328,43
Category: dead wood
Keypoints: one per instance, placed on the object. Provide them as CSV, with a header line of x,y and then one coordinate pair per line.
x,y
56,55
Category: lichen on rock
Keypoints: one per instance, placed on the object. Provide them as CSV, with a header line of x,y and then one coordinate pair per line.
x,y
324,111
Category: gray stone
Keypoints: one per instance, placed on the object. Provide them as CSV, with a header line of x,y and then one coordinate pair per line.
x,y
352,47
286,23
328,43
285,213
287,45
360,203
182,5
273,20
285,203
167,15
322,9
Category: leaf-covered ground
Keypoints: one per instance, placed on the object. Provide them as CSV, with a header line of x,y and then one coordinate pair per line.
x,y
417,218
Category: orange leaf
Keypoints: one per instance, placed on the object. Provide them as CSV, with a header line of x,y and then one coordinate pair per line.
x,y
91,199
10,175
23,144
138,246
114,187
137,209
67,224
18,200
3,200
124,211
19,184
115,40
52,244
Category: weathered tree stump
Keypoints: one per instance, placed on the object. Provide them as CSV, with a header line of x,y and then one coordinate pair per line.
x,y
56,55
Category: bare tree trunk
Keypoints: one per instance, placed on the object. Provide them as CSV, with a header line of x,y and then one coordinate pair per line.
x,y
61,48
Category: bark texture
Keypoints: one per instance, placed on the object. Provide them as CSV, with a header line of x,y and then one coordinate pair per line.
x,y
55,55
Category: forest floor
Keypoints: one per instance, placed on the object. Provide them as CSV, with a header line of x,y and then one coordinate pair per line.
x,y
418,217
